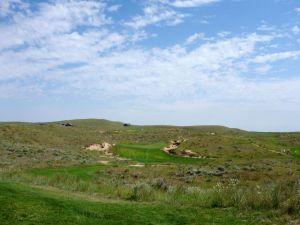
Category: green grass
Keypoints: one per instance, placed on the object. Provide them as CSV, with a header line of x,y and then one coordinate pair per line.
x,y
82,172
54,157
24,205
296,151
151,154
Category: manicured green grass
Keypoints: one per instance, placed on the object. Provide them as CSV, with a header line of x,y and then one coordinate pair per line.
x,y
150,154
82,172
296,151
24,205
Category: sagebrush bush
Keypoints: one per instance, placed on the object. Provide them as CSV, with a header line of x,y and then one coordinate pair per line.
x,y
142,192
159,184
265,196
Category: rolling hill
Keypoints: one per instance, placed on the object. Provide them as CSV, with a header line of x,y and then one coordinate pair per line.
x,y
234,176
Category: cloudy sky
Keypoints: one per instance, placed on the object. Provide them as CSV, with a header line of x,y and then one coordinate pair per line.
x,y
185,62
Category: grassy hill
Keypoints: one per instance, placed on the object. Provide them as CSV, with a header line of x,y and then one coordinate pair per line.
x,y
238,177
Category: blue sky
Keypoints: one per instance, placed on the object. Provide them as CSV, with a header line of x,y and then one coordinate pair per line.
x,y
182,62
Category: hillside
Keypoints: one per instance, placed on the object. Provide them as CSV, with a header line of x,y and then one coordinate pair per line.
x,y
212,168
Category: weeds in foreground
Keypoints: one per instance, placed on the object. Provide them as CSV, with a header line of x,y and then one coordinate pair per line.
x,y
281,195
284,196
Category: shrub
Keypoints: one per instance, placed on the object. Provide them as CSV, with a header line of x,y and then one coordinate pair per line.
x,y
159,184
291,205
265,196
141,192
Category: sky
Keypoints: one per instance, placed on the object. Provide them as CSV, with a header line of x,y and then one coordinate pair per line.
x,y
182,62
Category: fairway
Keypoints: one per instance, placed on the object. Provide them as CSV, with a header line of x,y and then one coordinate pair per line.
x,y
296,151
82,172
150,154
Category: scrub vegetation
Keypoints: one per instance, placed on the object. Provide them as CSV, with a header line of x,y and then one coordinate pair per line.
x,y
49,176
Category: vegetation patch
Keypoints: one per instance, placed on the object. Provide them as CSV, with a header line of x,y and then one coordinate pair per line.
x,y
296,151
241,178
151,154
82,172
23,205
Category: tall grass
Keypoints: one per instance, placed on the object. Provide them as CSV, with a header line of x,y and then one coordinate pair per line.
x,y
279,195
283,195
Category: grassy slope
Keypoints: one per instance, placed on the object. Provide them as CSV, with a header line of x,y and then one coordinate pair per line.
x,y
296,151
27,143
255,159
82,172
24,205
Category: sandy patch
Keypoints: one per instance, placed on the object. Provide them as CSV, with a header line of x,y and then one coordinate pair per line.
x,y
104,148
104,162
171,149
137,165
189,153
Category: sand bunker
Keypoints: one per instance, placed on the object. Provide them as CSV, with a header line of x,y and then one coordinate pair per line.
x,y
104,148
189,153
171,149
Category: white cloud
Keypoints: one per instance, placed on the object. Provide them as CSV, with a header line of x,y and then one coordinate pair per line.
x,y
268,58
263,69
52,19
114,8
211,69
156,14
8,7
188,3
69,48
197,36
108,67
266,27
224,34
296,29
49,37
204,21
